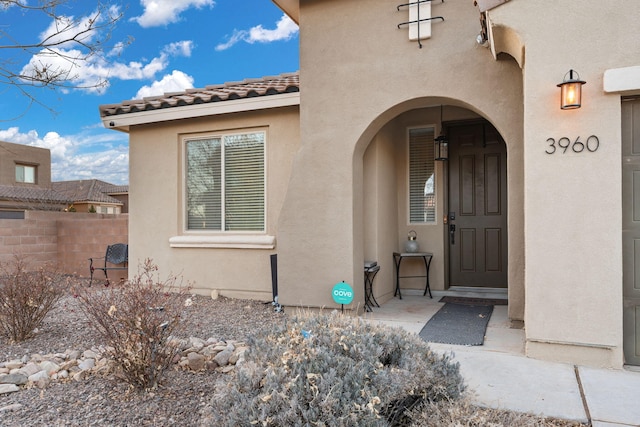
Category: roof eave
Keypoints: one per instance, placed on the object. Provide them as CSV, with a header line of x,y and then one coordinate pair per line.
x,y
123,122
291,8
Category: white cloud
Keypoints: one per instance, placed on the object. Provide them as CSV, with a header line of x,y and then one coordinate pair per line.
x,y
181,48
117,49
92,74
163,12
177,81
104,155
285,30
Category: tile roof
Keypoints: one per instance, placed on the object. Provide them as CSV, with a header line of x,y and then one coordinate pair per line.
x,y
89,190
266,86
32,194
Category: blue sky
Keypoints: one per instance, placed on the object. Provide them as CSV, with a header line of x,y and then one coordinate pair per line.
x,y
172,45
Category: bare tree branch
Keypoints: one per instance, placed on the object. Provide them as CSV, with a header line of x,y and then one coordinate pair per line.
x,y
55,61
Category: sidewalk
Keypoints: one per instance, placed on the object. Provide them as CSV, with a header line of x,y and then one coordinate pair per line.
x,y
498,375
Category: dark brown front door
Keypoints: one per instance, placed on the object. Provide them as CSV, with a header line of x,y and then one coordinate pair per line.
x,y
477,226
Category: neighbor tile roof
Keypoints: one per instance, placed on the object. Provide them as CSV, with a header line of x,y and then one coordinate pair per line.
x,y
32,194
284,83
89,190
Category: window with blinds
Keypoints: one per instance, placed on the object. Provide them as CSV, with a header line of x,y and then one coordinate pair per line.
x,y
225,183
422,200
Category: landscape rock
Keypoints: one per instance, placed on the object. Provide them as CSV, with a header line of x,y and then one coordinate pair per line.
x,y
17,379
196,361
196,343
87,364
49,367
8,388
89,354
40,379
13,364
30,369
8,408
222,358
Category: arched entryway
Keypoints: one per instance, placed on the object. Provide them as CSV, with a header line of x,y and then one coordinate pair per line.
x,y
481,206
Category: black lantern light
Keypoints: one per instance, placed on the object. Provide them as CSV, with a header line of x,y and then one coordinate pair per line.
x,y
441,143
571,91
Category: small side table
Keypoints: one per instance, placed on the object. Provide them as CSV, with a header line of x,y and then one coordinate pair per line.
x,y
397,260
369,298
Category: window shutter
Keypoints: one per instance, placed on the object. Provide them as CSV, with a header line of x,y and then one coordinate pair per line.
x,y
422,207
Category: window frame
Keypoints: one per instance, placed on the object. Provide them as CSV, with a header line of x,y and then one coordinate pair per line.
x,y
184,203
31,166
409,220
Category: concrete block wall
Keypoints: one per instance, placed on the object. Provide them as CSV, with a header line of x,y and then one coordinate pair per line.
x,y
34,238
88,237
63,239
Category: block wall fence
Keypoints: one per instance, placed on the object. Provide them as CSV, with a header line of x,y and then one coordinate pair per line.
x,y
63,239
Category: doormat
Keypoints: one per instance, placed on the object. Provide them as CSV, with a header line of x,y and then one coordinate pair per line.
x,y
460,324
474,301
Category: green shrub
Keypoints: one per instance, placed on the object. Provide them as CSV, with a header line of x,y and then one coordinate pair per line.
x,y
136,319
333,370
26,297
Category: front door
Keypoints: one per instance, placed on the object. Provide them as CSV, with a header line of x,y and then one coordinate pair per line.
x,y
631,229
477,217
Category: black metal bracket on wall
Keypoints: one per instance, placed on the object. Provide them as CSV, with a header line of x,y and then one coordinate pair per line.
x,y
417,21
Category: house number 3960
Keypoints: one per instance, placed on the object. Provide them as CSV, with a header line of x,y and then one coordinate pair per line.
x,y
591,144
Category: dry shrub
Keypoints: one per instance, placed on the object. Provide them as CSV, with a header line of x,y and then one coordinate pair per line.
x,y
136,319
333,370
463,414
26,297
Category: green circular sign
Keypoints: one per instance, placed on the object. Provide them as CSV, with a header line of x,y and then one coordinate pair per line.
x,y
342,293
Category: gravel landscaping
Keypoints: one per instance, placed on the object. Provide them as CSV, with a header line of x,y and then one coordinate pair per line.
x,y
101,400
97,398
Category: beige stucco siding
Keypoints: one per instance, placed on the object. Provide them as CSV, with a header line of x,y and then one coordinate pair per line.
x,y
573,201
156,209
359,72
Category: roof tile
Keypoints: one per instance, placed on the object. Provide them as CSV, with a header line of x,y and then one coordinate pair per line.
x,y
248,88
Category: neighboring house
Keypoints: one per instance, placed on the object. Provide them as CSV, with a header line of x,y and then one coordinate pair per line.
x,y
94,195
535,199
25,184
25,181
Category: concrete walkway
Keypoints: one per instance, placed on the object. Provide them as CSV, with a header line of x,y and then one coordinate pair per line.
x,y
498,375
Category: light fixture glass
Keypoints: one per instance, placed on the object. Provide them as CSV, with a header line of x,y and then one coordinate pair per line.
x,y
571,91
442,148
441,143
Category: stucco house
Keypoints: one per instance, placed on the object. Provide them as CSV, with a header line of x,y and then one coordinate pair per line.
x,y
25,181
319,167
95,195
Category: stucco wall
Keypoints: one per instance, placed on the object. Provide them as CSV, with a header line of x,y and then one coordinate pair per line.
x,y
156,202
573,200
359,73
12,154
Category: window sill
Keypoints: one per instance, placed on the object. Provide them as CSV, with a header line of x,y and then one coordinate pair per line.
x,y
236,241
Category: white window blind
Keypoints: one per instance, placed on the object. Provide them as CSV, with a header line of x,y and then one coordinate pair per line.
x,y
225,183
422,205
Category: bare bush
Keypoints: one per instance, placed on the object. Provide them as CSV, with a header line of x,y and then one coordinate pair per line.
x,y
26,297
136,319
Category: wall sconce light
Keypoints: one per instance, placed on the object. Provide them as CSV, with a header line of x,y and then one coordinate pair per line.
x,y
441,144
571,91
